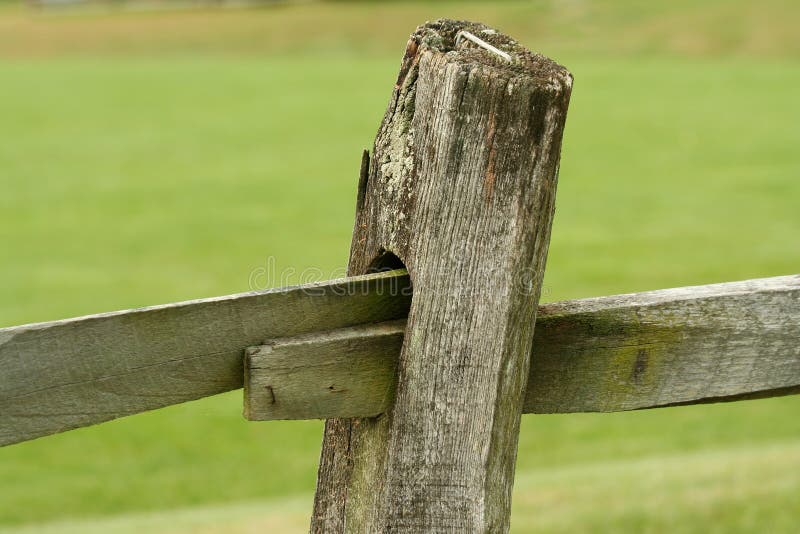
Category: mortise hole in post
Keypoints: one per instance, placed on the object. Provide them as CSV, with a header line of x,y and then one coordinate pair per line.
x,y
385,261
388,261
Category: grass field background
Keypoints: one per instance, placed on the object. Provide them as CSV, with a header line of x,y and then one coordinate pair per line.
x,y
160,156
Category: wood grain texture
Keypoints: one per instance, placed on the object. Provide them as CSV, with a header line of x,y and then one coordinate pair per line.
x,y
667,347
460,188
67,374
713,343
349,372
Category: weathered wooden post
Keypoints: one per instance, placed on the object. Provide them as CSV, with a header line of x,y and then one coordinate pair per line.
x,y
460,188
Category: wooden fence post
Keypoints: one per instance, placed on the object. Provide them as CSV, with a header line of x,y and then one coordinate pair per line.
x,y
461,190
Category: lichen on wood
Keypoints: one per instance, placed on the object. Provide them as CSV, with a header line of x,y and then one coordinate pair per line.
x,y
461,188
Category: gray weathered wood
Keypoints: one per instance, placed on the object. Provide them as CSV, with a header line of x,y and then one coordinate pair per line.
x,y
746,332
671,346
720,342
461,189
67,374
349,372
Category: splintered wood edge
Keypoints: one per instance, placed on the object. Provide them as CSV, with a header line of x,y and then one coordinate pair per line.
x,y
691,345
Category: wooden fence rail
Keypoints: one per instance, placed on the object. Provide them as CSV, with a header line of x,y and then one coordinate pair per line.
x,y
688,345
643,350
61,375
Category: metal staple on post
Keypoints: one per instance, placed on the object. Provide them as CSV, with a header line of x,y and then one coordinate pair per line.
x,y
463,34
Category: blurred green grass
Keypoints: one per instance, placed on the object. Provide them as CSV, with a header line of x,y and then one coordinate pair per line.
x,y
685,493
130,179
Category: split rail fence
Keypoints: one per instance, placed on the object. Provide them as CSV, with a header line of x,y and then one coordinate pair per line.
x,y
423,392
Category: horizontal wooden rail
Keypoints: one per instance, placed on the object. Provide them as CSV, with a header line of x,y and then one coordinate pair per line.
x,y
688,345
67,374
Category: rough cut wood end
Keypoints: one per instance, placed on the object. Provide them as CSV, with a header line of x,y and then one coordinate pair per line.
x,y
440,36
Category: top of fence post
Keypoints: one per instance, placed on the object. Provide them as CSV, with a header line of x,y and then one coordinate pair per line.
x,y
460,189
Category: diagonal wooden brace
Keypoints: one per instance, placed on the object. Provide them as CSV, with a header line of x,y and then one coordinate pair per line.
x,y
460,190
